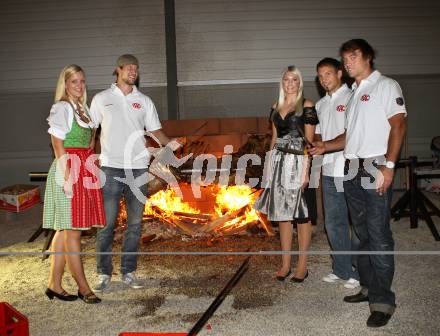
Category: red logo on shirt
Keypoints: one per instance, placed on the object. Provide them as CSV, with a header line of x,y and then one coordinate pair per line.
x,y
340,108
365,98
136,105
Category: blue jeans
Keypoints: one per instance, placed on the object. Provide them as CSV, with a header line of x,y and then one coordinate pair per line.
x,y
370,215
338,228
113,190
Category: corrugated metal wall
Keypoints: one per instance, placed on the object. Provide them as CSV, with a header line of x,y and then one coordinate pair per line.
x,y
218,41
40,37
242,45
251,40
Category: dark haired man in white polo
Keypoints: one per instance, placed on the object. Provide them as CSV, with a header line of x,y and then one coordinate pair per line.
x,y
331,114
375,128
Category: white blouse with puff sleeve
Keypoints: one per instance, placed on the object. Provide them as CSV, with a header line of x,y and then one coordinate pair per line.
x,y
60,120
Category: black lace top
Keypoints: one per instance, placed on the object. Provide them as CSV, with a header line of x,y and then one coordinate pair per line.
x,y
291,122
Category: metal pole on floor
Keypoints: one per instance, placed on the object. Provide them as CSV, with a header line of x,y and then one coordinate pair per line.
x,y
220,298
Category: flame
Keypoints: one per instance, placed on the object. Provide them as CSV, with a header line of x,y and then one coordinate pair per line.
x,y
168,201
231,198
228,201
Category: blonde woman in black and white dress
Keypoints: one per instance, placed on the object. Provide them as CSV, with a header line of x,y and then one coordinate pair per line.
x,y
283,200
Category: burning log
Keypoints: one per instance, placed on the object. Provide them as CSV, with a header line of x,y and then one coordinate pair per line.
x,y
178,224
192,223
216,223
203,217
168,223
265,224
183,226
195,225
168,219
211,226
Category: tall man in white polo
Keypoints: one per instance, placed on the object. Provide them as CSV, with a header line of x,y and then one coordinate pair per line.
x,y
331,114
375,128
124,114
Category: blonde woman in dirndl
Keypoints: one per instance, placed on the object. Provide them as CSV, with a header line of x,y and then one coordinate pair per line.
x,y
73,198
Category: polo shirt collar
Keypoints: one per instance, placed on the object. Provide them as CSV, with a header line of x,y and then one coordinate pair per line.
x,y
374,76
116,90
342,88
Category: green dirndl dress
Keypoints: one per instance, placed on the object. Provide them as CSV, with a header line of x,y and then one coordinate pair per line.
x,y
58,212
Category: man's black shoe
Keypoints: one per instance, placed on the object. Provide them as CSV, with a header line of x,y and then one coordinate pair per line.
x,y
359,297
378,319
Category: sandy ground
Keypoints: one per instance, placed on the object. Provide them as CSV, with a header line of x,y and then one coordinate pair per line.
x,y
180,288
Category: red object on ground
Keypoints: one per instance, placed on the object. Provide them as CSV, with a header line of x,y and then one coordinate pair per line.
x,y
12,322
151,334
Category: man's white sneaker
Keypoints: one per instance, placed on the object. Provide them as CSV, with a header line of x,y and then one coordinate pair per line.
x,y
103,283
351,283
131,280
331,278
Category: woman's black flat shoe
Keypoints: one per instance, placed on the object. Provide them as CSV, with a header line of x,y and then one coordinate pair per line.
x,y
64,296
283,277
298,280
89,297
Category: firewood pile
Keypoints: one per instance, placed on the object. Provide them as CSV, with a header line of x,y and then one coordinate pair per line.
x,y
229,220
194,224
234,218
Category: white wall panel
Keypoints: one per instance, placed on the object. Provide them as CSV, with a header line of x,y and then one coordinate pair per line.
x,y
40,37
254,39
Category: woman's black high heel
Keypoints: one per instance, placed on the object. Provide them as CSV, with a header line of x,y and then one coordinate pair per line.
x,y
298,280
89,297
63,296
283,277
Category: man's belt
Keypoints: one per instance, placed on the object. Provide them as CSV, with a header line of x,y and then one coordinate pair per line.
x,y
292,151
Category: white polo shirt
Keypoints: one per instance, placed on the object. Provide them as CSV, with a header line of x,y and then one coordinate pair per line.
x,y
124,120
331,115
374,101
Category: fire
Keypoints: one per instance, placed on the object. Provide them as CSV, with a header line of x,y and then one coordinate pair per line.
x,y
169,202
231,198
231,213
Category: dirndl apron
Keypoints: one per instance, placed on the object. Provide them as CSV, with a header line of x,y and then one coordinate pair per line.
x,y
282,199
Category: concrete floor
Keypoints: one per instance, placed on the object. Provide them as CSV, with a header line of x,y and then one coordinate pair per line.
x,y
312,308
19,227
